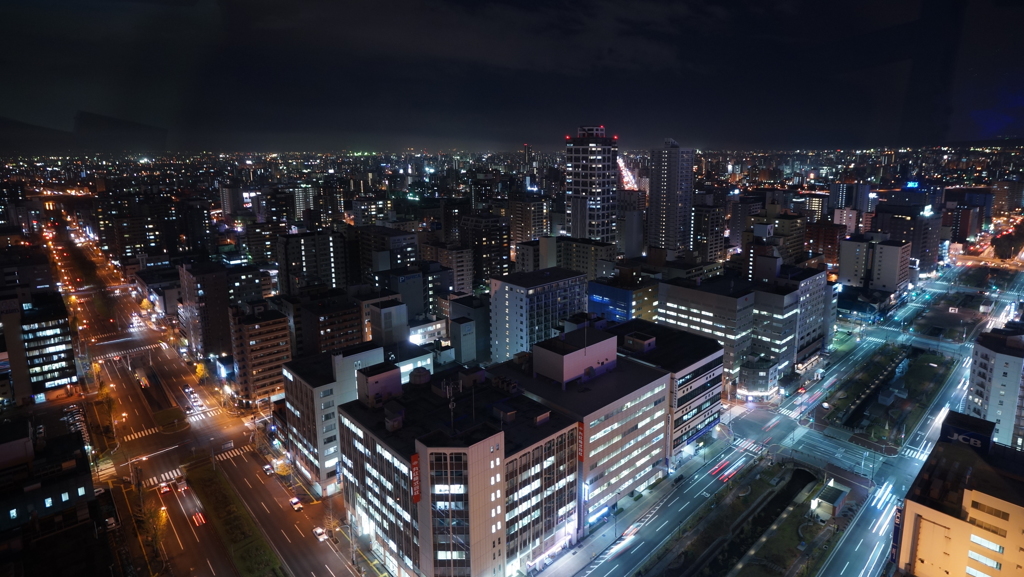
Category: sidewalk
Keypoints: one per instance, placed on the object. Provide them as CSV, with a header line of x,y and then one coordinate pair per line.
x,y
588,551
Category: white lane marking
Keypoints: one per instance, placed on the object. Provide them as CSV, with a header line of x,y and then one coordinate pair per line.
x,y
844,568
660,527
612,571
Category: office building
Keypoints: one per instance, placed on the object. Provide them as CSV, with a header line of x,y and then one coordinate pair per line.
x,y
28,266
488,235
623,415
260,346
589,257
670,198
527,307
695,366
591,178
963,514
366,296
310,259
814,206
442,486
458,258
383,248
625,296
36,342
873,262
774,226
776,324
995,384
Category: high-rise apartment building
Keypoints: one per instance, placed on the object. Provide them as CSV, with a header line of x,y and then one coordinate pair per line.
x,y
420,284
670,197
846,217
995,384
707,229
207,290
260,346
456,257
918,225
526,308
529,220
488,235
310,259
591,178
873,262
589,257
383,248
824,238
850,195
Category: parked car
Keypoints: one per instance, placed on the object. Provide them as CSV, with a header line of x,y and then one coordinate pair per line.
x,y
319,533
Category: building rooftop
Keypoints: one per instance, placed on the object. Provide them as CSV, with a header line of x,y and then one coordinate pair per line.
x,y
428,417
953,467
573,341
540,277
384,231
674,350
730,284
314,370
1003,341
579,399
264,316
378,369
158,275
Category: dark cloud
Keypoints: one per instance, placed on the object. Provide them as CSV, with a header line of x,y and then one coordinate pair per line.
x,y
275,74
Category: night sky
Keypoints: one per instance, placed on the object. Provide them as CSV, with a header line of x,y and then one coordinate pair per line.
x,y
395,74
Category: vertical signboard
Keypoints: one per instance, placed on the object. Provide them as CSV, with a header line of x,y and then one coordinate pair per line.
x,y
897,524
415,462
579,441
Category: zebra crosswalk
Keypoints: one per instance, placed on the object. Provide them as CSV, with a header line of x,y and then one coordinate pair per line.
x,y
919,454
234,452
128,352
133,436
161,478
105,470
789,413
200,416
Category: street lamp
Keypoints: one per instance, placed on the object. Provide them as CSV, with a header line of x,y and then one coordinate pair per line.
x,y
615,521
704,454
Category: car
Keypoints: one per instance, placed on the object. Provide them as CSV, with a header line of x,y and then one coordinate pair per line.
x,y
295,503
111,523
268,469
181,483
98,491
198,404
719,467
199,519
164,488
826,406
802,390
319,533
189,410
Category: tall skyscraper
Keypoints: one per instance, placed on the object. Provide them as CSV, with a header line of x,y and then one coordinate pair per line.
x,y
671,197
856,196
591,177
529,220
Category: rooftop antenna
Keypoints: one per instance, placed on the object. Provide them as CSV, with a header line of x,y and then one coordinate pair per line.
x,y
449,391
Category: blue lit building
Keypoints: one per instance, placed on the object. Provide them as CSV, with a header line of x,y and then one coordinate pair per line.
x,y
626,296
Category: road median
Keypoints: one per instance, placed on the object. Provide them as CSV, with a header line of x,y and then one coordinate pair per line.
x,y
249,550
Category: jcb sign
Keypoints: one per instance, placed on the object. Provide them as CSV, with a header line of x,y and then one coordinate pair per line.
x,y
967,439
